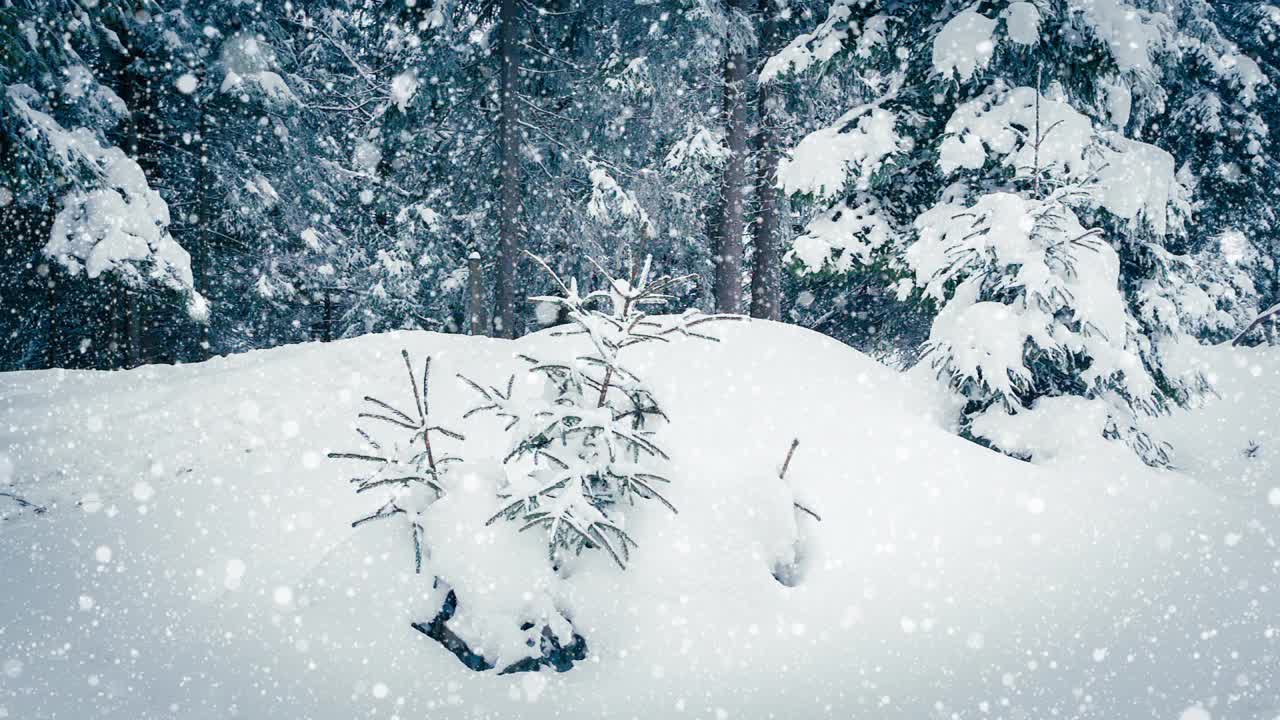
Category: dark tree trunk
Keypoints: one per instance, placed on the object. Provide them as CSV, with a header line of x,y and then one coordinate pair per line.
x,y
727,241
51,342
509,192
327,331
203,253
134,355
766,276
477,320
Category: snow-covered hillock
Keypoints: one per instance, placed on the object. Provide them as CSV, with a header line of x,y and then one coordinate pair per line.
x,y
195,557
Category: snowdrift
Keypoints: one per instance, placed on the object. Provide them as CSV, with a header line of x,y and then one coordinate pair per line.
x,y
195,558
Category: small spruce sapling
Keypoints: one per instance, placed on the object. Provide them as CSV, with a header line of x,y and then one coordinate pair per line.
x,y
409,470
586,449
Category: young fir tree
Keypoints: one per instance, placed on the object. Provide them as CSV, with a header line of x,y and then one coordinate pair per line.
x,y
408,471
585,451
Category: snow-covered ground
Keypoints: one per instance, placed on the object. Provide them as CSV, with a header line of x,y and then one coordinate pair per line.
x,y
196,558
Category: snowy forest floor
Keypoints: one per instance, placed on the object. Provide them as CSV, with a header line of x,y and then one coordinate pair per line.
x,y
195,557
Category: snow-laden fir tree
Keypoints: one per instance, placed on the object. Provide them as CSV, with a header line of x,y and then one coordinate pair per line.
x,y
584,453
993,174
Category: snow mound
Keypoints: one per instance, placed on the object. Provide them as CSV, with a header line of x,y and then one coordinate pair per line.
x,y
195,558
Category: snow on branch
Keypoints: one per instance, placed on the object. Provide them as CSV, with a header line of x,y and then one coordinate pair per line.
x,y
111,221
409,472
851,149
826,41
1268,314
587,447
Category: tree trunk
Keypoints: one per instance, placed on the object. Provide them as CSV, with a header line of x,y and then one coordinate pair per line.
x,y
727,242
766,276
51,342
133,329
477,322
327,332
203,253
509,192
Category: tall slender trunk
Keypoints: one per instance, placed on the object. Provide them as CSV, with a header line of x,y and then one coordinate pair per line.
x,y
135,96
477,318
134,355
509,193
51,340
766,275
203,253
327,333
727,241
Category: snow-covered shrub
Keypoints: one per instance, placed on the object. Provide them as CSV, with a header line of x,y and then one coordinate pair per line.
x,y
1030,307
1031,301
408,470
584,451
413,477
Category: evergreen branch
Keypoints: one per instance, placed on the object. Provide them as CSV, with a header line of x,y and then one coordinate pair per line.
x,y
383,512
447,432
384,418
387,406
417,399
807,511
657,495
372,443
357,456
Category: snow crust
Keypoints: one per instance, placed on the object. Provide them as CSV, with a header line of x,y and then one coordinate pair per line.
x,y
197,559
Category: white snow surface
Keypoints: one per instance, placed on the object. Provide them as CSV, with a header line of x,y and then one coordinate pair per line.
x,y
196,559
964,45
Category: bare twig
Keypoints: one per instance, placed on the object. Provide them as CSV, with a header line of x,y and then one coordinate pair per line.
x,y
782,475
25,503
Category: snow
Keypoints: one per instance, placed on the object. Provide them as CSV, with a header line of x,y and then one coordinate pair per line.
x,y
944,578
964,45
1133,35
250,62
854,147
829,38
403,87
1245,72
1214,442
117,224
1051,428
311,238
1022,20
186,83
1135,181
1138,183
79,81
1022,277
987,125
1235,247
366,156
841,236
609,202
700,145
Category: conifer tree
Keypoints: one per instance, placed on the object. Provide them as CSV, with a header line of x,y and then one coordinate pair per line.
x,y
586,450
